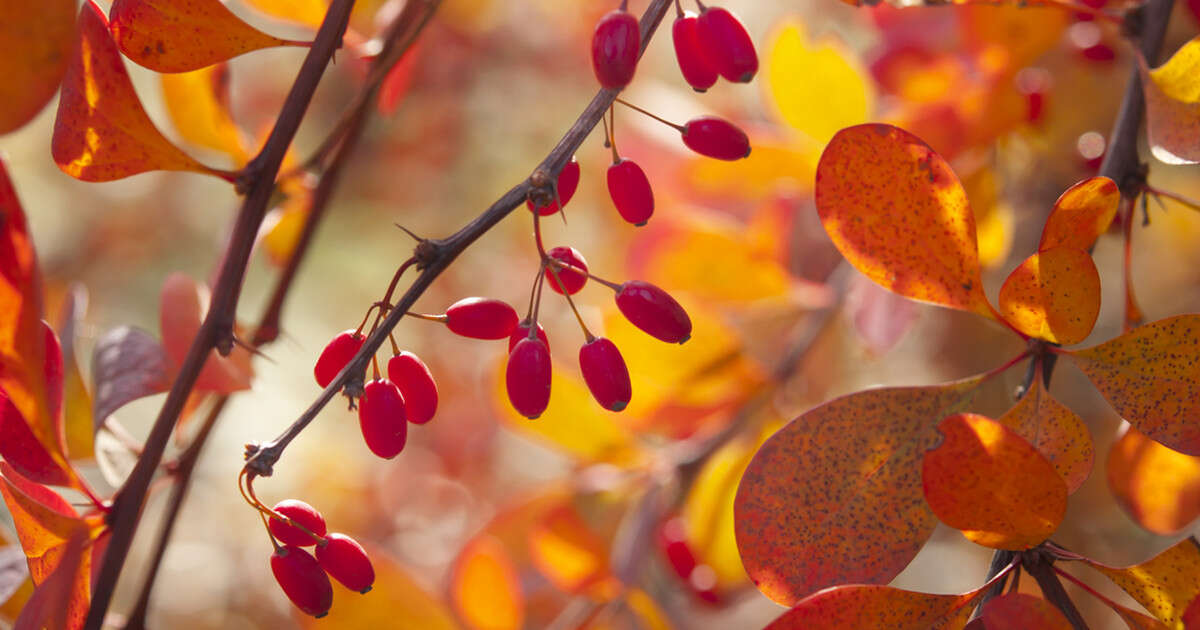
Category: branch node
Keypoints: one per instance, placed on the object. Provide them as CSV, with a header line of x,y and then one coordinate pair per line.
x,y
541,188
1133,22
426,253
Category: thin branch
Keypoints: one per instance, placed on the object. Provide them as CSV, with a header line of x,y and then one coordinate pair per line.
x,y
217,329
440,253
1040,565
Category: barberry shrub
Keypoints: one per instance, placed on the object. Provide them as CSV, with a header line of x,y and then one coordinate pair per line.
x,y
900,335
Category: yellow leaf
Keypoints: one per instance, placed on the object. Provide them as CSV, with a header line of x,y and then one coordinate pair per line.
x,y
485,587
1173,105
198,105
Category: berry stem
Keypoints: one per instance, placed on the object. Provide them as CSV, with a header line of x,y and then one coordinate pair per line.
x,y
550,264
1158,192
537,281
433,318
668,123
678,10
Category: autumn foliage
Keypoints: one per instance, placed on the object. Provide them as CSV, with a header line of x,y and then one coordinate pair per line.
x,y
860,315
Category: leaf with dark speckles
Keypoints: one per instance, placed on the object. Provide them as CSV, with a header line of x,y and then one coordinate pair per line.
x,y
1022,611
1081,214
1151,376
898,213
1054,295
1165,584
102,131
871,607
1058,433
183,35
835,496
1173,105
987,481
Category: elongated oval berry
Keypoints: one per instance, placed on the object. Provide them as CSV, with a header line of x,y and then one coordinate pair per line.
x,y
306,515
616,45
346,561
727,44
336,355
567,184
481,318
698,71
716,138
302,580
522,332
527,377
416,384
572,281
630,191
654,311
605,373
381,418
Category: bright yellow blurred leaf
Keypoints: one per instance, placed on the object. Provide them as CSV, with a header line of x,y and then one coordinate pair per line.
x,y
1173,105
199,107
567,551
816,87
1158,487
485,587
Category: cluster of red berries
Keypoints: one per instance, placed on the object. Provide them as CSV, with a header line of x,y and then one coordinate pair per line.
x,y
408,394
305,578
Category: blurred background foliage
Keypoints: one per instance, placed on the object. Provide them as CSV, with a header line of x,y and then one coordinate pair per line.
x,y
488,520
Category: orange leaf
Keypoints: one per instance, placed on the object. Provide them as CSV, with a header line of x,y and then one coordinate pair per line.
x,y
308,13
1055,431
1158,487
78,425
1165,584
396,601
1021,611
1054,295
987,481
102,132
37,37
864,606
898,214
485,587
567,551
834,497
182,308
183,35
1173,105
1151,376
198,103
67,583
1081,214
43,519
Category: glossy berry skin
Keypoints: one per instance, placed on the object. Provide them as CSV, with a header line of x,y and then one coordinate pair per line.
x,y
728,45
567,184
654,311
572,281
698,71
481,318
527,377
522,332
630,191
346,561
336,355
605,373
716,138
616,45
416,384
381,418
304,514
302,580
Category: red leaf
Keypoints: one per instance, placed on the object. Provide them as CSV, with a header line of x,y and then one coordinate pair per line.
x,y
835,496
183,35
1021,611
102,132
43,33
898,213
1151,376
182,310
61,600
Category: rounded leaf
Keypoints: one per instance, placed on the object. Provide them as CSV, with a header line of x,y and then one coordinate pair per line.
x,y
1054,295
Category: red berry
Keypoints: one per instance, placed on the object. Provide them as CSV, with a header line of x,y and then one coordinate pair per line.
x,y
728,44
302,580
416,384
346,561
522,332
652,310
605,373
716,138
306,515
528,377
616,45
630,191
481,318
567,184
573,281
697,70
381,418
336,355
